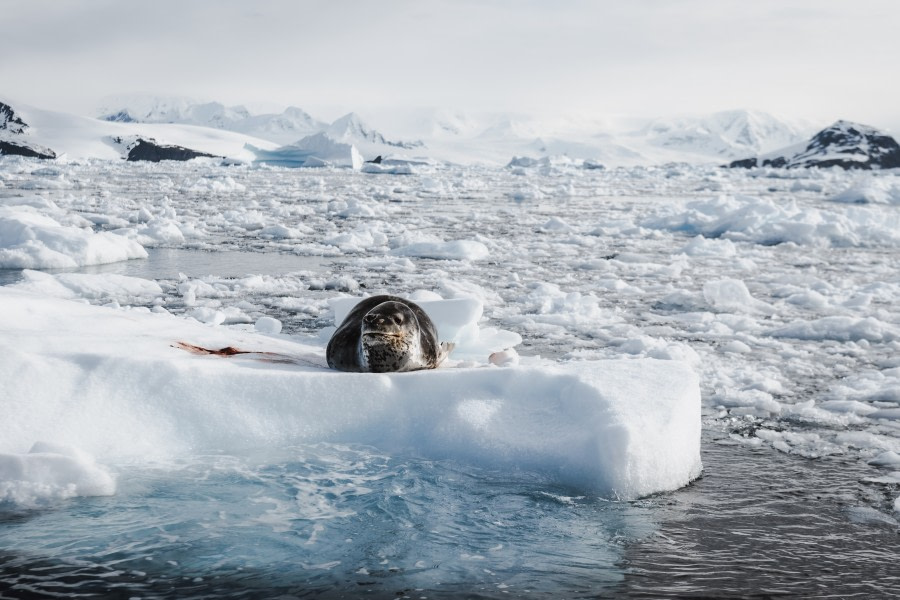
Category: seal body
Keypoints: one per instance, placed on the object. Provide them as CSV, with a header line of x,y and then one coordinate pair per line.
x,y
385,334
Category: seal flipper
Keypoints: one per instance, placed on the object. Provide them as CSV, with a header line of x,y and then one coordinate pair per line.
x,y
444,352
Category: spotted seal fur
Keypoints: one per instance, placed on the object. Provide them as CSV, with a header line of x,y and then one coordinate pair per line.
x,y
385,334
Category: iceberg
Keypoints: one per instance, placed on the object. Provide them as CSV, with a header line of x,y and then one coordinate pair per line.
x,y
318,150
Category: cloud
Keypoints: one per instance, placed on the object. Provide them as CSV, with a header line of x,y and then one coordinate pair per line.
x,y
650,57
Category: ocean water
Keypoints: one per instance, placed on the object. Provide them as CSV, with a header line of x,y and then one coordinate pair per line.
x,y
582,265
343,521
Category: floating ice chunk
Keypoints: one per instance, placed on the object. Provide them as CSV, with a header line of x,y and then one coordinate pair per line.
x,y
455,250
869,515
848,406
810,299
870,191
626,427
51,472
401,169
214,184
736,347
764,221
701,246
886,459
527,161
30,240
208,315
505,358
268,325
282,232
556,225
364,238
839,328
732,295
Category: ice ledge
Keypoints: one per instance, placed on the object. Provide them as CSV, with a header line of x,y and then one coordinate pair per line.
x,y
110,383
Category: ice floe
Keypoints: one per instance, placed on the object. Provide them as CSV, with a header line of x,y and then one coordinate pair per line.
x,y
112,383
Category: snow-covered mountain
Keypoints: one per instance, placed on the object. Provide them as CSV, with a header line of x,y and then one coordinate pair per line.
x,y
13,137
282,128
10,122
843,144
727,134
614,140
286,127
297,138
351,129
53,133
461,136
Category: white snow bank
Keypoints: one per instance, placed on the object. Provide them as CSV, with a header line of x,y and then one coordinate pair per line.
x,y
764,221
110,383
30,239
51,472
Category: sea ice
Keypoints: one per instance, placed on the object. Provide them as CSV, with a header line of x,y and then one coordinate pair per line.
x,y
111,383
453,250
51,472
30,239
732,295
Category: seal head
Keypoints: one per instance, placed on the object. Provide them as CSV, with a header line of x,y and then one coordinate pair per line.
x,y
386,334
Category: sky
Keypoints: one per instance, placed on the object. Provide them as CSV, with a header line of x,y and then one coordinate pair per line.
x,y
817,59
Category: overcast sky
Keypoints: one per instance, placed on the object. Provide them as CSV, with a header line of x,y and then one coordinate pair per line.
x,y
819,59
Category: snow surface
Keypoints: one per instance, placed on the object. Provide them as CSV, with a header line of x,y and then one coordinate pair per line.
x,y
111,383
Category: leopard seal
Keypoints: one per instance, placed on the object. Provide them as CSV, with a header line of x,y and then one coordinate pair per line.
x,y
384,334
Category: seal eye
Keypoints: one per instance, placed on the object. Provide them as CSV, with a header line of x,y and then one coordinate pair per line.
x,y
398,319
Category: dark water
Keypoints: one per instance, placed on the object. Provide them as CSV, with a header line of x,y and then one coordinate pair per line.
x,y
345,522
763,524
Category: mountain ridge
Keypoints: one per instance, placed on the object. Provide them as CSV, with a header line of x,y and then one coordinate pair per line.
x,y
843,144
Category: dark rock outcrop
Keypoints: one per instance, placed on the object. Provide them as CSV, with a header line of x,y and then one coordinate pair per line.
x,y
844,144
19,148
12,128
10,121
149,150
120,117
